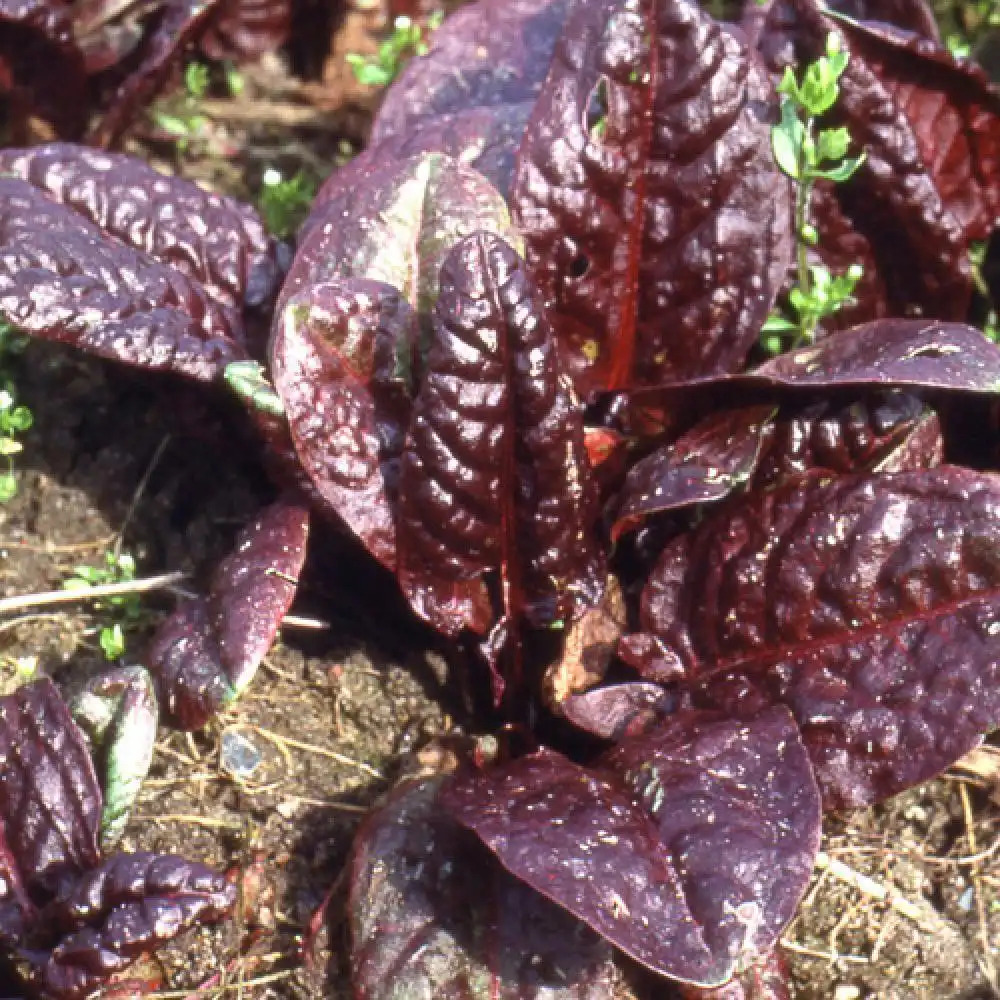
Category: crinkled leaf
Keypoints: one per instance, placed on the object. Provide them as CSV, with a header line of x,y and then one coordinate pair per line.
x,y
395,222
342,364
216,241
759,446
486,55
688,847
50,801
869,605
654,216
495,475
63,278
208,650
433,914
889,432
129,904
707,463
954,112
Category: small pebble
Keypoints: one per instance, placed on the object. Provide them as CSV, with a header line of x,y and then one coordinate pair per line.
x,y
965,900
238,755
846,991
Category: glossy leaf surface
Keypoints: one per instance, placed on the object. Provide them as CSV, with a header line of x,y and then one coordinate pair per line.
x,y
688,847
342,361
868,605
433,914
754,447
50,802
654,216
216,241
495,474
395,222
62,278
208,650
954,112
128,905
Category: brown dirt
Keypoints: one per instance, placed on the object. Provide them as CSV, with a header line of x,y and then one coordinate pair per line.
x,y
334,713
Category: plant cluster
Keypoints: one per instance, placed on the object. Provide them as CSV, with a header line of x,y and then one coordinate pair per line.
x,y
407,39
517,354
119,612
15,417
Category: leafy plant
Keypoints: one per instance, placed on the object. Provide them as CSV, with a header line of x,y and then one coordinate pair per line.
x,y
15,417
807,155
120,613
284,202
72,916
408,38
510,356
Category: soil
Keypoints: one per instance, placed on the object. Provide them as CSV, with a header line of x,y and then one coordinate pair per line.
x,y
906,905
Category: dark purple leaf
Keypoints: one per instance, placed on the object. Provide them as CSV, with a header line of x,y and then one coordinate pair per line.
x,y
216,241
953,110
687,847
868,605
130,904
486,55
891,352
759,446
495,474
50,801
912,15
41,66
655,218
891,432
918,355
707,463
208,650
341,361
104,252
433,914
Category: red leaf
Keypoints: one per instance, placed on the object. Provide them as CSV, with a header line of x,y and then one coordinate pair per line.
x,y
687,847
655,218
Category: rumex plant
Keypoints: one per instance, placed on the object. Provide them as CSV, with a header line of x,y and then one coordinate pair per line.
x,y
516,355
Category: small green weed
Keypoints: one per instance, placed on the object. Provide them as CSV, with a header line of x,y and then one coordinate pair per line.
x,y
119,612
284,203
408,39
807,154
15,417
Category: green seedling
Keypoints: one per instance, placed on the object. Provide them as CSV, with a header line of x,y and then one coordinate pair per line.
x,y
15,417
807,154
120,612
284,203
991,323
408,39
180,116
